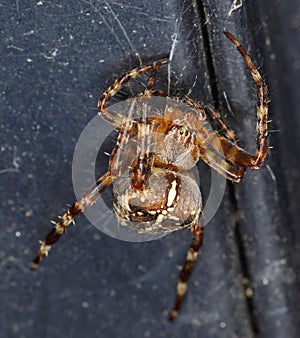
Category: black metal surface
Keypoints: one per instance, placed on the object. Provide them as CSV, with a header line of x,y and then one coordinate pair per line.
x,y
56,59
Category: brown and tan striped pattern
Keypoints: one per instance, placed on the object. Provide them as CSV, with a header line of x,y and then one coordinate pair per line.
x,y
237,154
120,82
181,138
77,208
187,269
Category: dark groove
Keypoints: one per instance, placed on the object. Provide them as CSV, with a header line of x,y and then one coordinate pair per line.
x,y
243,258
212,79
215,97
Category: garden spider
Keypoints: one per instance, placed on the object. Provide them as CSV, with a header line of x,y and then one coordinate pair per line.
x,y
155,189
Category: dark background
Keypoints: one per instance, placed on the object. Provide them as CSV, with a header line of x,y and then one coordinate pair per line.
x,y
56,59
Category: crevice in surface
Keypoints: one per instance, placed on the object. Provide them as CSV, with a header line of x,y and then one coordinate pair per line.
x,y
212,78
243,259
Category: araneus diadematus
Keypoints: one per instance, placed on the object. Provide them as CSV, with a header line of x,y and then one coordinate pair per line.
x,y
158,190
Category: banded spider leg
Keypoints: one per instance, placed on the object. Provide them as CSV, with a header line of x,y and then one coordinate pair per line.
x,y
128,129
229,159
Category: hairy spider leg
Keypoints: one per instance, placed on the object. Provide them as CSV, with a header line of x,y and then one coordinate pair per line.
x,y
90,196
231,171
113,117
126,131
220,146
143,155
155,67
191,257
144,136
87,199
223,153
217,162
229,133
210,148
232,151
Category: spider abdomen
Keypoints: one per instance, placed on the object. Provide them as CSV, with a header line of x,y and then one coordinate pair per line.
x,y
169,201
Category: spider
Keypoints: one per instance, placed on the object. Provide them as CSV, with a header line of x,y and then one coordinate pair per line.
x,y
156,189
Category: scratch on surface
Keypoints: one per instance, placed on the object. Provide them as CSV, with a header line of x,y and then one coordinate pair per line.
x,y
235,5
228,103
15,164
278,269
52,54
106,23
271,172
18,8
219,286
174,38
142,13
273,177
192,86
124,32
16,47
13,260
108,8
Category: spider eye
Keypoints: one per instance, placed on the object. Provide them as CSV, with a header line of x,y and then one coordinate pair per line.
x,y
184,130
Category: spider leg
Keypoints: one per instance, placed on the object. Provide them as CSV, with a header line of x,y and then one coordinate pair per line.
x,y
144,157
145,135
210,149
217,161
229,133
77,208
158,92
122,155
152,79
234,159
117,165
187,268
113,117
222,166
235,153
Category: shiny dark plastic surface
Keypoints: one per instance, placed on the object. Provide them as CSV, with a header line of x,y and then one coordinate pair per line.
x,y
56,59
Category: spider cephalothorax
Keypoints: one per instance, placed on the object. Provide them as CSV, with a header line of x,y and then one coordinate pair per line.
x,y
151,165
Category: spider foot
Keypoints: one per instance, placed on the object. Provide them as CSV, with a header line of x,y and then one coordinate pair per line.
x,y
44,250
